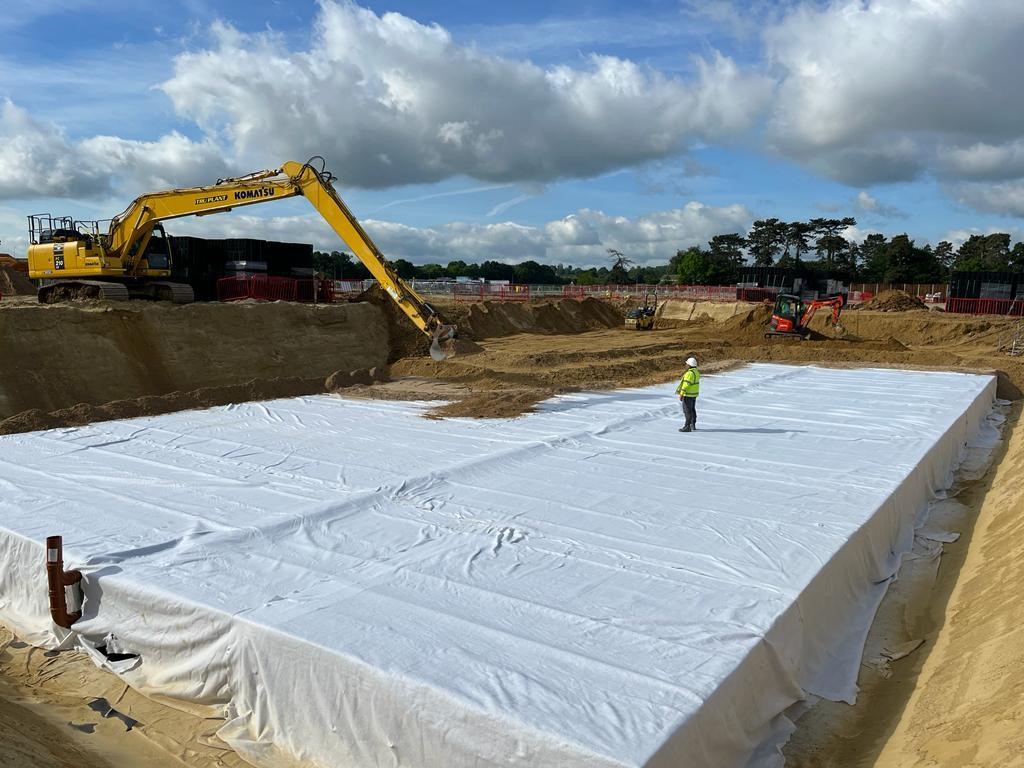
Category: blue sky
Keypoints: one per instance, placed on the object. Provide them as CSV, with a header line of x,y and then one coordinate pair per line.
x,y
548,130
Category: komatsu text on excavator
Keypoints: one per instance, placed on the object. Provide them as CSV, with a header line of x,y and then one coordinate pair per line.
x,y
131,258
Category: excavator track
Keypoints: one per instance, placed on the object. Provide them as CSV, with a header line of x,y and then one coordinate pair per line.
x,y
102,290
71,290
178,293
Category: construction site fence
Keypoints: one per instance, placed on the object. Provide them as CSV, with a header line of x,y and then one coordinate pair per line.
x,y
499,291
1008,307
929,292
270,288
523,292
490,292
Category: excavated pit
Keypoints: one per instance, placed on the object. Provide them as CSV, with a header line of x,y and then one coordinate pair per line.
x,y
72,365
61,366
539,580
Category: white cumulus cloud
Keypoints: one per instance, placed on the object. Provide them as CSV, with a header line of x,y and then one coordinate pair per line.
x,y
38,160
888,90
1004,197
867,203
581,239
391,101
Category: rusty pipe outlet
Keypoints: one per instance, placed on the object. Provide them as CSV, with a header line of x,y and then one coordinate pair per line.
x,y
65,586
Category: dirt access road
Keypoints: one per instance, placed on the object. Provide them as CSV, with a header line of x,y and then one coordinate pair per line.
x,y
957,700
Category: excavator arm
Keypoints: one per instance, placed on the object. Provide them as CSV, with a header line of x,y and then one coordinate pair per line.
x,y
836,303
131,230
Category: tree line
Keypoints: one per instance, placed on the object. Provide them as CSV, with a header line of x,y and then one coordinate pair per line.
x,y
817,244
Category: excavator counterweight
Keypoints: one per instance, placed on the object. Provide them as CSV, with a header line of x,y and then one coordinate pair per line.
x,y
132,257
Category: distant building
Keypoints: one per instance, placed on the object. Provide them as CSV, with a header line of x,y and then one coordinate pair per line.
x,y
997,293
985,285
767,282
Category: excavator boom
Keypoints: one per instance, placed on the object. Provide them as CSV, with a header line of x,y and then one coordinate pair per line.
x,y
60,251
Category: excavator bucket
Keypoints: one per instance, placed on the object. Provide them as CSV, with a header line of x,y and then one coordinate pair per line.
x,y
442,344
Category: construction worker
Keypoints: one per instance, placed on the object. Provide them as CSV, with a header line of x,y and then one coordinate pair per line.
x,y
688,389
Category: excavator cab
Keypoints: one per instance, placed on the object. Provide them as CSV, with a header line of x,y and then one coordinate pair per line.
x,y
786,315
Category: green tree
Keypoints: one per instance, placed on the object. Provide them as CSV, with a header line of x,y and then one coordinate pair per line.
x,y
405,269
496,270
829,243
338,266
907,263
459,269
431,272
765,240
1017,257
874,257
726,251
984,253
532,273
693,266
797,237
945,254
619,273
647,275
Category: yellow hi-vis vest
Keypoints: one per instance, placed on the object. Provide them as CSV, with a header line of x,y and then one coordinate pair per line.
x,y
689,385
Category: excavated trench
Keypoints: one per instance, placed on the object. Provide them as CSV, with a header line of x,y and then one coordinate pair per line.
x,y
68,365
72,364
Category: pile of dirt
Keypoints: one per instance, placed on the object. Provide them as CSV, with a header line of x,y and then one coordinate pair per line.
x,y
360,377
493,405
493,319
14,282
892,301
746,328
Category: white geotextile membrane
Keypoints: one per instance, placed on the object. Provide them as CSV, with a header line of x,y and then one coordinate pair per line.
x,y
353,585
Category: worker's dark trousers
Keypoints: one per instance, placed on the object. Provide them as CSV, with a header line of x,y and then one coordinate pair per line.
x,y
690,410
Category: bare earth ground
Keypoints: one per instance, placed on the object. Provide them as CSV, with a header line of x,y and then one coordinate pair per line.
x,y
956,700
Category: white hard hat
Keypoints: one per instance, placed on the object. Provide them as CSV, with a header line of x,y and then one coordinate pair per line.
x,y
692,362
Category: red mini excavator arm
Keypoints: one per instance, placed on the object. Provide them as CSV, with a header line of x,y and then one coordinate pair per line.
x,y
837,307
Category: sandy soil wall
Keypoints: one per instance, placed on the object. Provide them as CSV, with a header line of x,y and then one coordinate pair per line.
x,y
684,309
54,357
15,283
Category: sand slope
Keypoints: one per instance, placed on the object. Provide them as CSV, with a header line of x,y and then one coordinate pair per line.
x,y
968,706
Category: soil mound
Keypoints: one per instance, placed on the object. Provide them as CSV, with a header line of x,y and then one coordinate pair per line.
x,y
492,319
490,405
749,327
15,283
893,301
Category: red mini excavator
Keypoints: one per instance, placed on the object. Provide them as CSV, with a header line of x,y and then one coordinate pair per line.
x,y
792,315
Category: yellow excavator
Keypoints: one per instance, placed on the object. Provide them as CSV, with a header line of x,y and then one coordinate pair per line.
x,y
132,259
